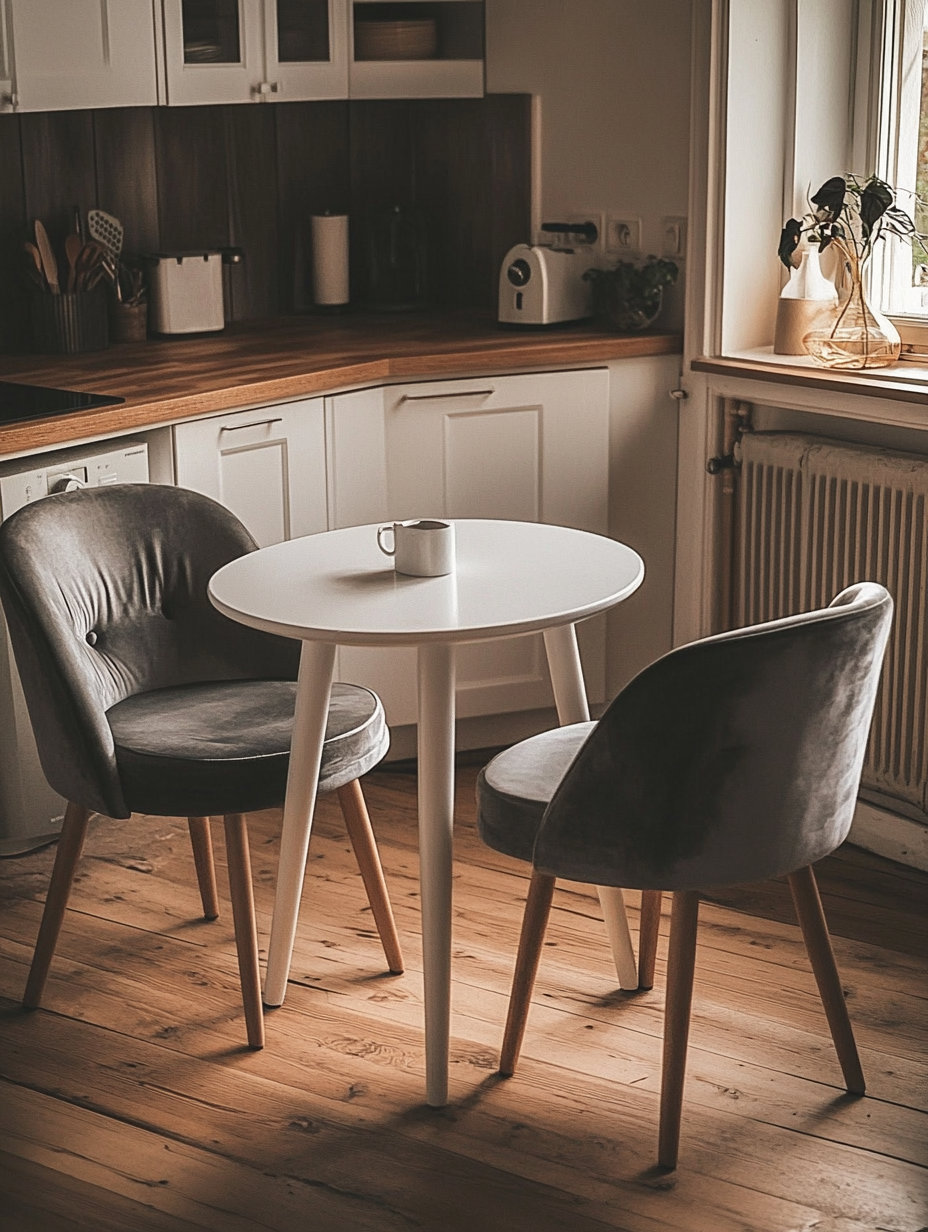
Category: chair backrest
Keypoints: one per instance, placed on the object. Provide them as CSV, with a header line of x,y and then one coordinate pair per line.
x,y
731,759
104,592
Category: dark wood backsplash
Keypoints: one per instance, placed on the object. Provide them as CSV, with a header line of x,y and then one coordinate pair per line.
x,y
190,177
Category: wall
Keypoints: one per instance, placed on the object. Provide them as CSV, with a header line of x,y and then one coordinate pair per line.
x,y
192,177
612,80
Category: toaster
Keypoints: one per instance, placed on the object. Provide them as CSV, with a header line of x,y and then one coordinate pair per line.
x,y
186,292
540,284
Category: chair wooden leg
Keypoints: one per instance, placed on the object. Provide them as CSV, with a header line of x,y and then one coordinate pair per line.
x,y
56,900
821,956
681,963
534,922
648,933
246,930
202,846
358,824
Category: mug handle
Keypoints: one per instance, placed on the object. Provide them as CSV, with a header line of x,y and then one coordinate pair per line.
x,y
381,531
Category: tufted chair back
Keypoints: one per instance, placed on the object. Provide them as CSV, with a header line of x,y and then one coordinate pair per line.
x,y
105,596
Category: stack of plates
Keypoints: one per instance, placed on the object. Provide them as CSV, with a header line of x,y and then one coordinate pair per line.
x,y
202,51
396,40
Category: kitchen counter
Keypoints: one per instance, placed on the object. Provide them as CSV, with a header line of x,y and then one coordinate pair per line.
x,y
263,362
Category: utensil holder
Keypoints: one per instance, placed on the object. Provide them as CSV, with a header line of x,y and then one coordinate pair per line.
x,y
130,322
69,323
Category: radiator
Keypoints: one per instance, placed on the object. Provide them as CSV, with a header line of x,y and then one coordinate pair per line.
x,y
813,516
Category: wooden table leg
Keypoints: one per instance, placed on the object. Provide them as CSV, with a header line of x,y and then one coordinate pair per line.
x,y
573,707
436,821
317,662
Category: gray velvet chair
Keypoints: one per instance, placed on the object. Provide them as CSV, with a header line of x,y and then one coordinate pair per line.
x,y
732,759
143,698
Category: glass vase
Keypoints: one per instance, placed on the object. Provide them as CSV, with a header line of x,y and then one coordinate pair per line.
x,y
861,337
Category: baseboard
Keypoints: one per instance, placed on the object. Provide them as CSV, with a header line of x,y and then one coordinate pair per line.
x,y
890,835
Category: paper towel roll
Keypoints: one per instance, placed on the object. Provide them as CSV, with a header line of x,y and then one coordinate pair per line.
x,y
330,258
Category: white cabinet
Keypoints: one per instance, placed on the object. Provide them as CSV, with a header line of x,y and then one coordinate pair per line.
x,y
423,49
78,53
527,448
233,51
266,465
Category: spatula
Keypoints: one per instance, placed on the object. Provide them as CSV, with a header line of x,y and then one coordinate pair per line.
x,y
106,230
49,265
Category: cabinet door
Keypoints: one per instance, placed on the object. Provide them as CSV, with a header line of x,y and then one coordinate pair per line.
x,y
7,94
266,465
307,49
526,448
85,53
213,51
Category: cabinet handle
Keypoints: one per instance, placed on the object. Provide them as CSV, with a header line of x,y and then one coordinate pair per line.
x,y
461,393
257,423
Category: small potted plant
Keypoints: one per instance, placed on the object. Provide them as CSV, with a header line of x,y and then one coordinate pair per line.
x,y
629,298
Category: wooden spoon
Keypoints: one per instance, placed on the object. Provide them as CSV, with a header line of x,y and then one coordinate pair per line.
x,y
34,254
72,250
49,265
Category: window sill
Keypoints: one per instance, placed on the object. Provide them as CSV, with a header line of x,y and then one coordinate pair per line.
x,y
902,382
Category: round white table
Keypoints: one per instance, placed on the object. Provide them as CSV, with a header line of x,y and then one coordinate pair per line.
x,y
337,588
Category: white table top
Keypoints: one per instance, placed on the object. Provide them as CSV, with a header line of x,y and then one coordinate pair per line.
x,y
511,577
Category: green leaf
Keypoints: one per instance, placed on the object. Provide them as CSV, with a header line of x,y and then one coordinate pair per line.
x,y
876,198
830,199
789,240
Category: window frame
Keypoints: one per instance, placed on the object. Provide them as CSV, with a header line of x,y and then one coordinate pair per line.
x,y
885,138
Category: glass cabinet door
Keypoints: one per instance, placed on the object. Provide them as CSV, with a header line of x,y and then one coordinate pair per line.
x,y
307,48
213,51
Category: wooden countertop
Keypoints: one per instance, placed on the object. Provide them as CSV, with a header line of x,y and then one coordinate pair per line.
x,y
262,362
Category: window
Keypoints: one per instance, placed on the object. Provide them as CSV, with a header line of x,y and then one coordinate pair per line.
x,y
900,71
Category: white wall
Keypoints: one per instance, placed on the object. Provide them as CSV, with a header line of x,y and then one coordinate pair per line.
x,y
613,80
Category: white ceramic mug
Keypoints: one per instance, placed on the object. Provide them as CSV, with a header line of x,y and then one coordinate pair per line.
x,y
422,547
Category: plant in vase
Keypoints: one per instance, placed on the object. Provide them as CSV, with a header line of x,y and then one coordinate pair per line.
x,y
851,214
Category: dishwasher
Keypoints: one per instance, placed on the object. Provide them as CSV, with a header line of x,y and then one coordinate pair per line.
x,y
30,812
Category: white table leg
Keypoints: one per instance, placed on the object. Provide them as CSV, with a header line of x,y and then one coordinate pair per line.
x,y
573,707
317,662
436,820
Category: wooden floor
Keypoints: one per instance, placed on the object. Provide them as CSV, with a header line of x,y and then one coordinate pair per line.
x,y
129,1101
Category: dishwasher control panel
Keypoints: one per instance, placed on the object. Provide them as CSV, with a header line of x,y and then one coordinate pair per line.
x,y
66,470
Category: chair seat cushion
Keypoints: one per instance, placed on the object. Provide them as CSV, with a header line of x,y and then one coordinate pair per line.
x,y
208,749
514,790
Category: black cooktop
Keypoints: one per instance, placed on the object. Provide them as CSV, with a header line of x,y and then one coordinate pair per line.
x,y
21,402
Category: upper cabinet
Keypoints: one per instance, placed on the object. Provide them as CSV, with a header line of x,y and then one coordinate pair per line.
x,y
235,51
82,53
62,54
417,49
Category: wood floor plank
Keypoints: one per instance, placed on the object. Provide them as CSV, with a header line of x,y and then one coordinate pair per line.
x,y
225,1110
136,1072
43,1199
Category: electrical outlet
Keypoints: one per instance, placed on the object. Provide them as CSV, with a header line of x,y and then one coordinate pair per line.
x,y
673,237
623,234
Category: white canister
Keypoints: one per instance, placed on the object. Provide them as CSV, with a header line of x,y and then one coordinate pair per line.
x,y
807,302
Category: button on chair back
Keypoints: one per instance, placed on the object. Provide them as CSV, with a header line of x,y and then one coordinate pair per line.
x,y
144,698
729,760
